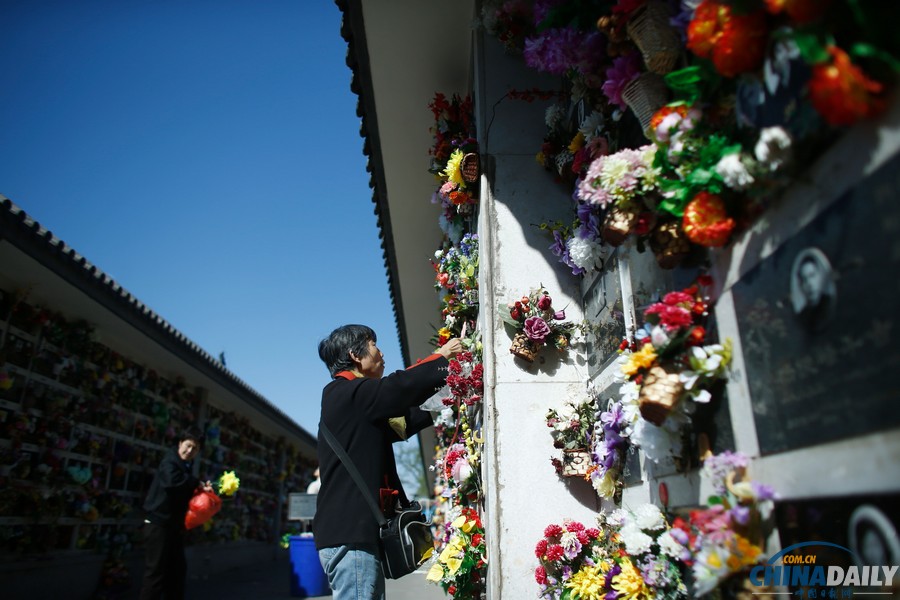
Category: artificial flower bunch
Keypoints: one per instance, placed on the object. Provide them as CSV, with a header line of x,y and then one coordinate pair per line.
x,y
228,484
669,368
608,448
568,555
572,429
454,161
460,567
725,539
456,275
643,557
537,324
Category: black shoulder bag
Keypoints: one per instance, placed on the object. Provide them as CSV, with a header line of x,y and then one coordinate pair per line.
x,y
406,540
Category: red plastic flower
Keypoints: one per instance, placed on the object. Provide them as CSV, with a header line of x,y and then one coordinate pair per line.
x,y
841,92
706,222
735,43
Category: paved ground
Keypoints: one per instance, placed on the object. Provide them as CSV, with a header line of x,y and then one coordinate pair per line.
x,y
270,580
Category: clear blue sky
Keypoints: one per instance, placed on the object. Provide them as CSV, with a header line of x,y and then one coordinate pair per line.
x,y
206,155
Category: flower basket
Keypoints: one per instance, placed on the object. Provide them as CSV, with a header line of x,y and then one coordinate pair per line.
x,y
617,224
470,167
644,95
669,244
523,347
659,394
576,463
657,40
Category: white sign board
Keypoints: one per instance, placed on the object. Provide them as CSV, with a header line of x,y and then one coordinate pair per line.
x,y
301,507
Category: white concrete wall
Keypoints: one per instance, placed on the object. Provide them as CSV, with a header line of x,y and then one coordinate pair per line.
x,y
524,492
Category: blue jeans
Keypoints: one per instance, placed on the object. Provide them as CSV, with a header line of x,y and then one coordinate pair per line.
x,y
353,571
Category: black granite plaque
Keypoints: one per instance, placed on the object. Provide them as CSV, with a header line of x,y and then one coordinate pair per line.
x,y
818,322
604,317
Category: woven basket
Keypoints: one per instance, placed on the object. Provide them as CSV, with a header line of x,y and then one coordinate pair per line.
x,y
470,167
645,95
657,40
524,347
669,244
576,463
617,224
659,394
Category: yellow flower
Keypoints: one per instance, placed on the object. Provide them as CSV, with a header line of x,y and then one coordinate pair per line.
x,y
228,483
577,143
435,573
587,583
642,359
630,584
453,565
452,171
539,157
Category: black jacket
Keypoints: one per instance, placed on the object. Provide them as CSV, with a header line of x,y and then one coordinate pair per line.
x,y
170,491
356,411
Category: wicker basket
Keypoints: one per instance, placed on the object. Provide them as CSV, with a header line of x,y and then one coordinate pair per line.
x,y
470,167
576,463
669,244
617,224
660,393
657,40
524,347
645,95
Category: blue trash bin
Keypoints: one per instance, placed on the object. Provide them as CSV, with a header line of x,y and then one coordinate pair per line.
x,y
307,575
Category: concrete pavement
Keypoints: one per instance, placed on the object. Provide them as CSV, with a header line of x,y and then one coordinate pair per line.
x,y
270,580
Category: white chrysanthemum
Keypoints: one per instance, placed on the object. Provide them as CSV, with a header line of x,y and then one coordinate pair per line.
x,y
554,116
635,540
649,518
615,169
669,546
591,126
733,172
617,518
584,253
773,149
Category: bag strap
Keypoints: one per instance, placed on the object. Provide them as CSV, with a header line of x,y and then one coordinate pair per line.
x,y
354,473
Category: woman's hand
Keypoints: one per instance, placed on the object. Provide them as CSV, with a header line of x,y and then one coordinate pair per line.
x,y
451,348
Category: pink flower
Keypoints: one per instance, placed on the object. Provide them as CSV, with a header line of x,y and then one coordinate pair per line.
x,y
537,329
623,70
674,298
559,315
544,302
540,575
540,548
552,530
670,317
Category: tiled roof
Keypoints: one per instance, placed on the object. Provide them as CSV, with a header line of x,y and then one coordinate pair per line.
x,y
19,229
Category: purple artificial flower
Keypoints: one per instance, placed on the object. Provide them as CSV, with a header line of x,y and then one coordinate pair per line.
x,y
623,70
589,216
559,315
553,51
536,329
763,491
559,248
612,418
740,514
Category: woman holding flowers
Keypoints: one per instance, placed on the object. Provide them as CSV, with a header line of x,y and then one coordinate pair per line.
x,y
366,413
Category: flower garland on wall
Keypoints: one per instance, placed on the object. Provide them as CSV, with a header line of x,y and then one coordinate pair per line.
x,y
455,163
639,553
456,277
766,87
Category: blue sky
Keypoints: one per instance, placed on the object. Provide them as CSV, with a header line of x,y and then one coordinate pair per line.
x,y
206,155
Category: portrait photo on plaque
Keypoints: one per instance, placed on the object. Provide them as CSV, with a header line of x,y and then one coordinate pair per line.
x,y
818,322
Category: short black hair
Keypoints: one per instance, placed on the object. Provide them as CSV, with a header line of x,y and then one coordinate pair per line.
x,y
335,350
191,433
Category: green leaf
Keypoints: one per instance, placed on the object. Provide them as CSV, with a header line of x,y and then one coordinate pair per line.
x,y
503,311
699,177
566,595
811,47
863,50
714,500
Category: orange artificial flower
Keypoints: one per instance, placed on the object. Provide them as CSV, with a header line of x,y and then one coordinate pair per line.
x,y
735,43
706,222
841,92
665,111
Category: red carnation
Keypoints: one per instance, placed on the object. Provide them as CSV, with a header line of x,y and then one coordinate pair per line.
x,y
552,530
